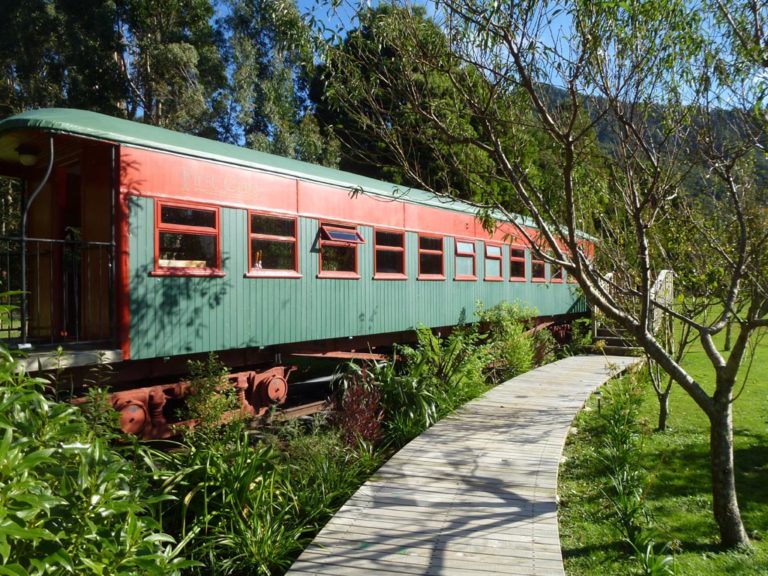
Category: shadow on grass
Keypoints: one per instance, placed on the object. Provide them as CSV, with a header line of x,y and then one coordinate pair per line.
x,y
680,492
751,470
683,470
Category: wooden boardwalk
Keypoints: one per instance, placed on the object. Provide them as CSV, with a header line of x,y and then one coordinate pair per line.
x,y
474,494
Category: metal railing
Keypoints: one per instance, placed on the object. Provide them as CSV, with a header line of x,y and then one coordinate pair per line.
x,y
69,290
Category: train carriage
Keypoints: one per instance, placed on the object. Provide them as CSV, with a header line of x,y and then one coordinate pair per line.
x,y
149,246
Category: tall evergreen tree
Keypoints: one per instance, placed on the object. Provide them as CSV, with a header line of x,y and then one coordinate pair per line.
x,y
172,63
59,53
271,56
365,89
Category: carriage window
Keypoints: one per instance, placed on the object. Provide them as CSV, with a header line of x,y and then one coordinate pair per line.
x,y
465,260
273,245
431,258
390,254
338,251
538,269
187,240
556,273
517,263
493,262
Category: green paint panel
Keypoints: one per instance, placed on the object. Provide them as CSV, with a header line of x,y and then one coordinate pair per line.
x,y
181,315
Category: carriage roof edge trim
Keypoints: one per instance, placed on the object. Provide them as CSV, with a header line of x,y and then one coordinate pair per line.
x,y
102,127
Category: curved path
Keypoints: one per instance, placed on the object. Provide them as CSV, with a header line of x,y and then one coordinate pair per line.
x,y
474,494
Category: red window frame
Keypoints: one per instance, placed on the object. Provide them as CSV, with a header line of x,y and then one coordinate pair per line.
x,y
556,273
326,234
499,258
384,248
162,227
460,253
536,262
441,253
516,254
273,272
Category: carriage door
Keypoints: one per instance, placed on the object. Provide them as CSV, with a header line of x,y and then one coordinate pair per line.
x,y
71,234
70,254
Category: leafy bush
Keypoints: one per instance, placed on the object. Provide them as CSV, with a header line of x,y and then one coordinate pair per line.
x,y
250,508
580,338
233,501
324,471
69,502
357,407
211,396
625,490
432,380
511,348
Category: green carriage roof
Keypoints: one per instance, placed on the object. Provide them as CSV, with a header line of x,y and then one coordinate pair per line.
x,y
101,127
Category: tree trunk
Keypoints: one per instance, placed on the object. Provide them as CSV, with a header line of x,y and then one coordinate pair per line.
x,y
724,502
663,409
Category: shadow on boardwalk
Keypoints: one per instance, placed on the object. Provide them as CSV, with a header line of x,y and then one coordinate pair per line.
x,y
475,494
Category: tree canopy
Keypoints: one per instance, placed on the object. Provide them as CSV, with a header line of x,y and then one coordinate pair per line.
x,y
236,70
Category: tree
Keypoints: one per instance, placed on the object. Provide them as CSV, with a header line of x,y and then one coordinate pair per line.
x,y
141,59
171,61
393,142
272,60
653,79
59,53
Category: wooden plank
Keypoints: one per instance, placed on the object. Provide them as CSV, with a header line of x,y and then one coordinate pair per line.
x,y
475,494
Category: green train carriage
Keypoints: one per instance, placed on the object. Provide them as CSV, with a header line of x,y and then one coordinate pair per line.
x,y
147,247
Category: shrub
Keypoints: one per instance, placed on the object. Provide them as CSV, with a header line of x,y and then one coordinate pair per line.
x,y
249,509
580,337
211,396
69,502
357,407
511,349
433,379
625,490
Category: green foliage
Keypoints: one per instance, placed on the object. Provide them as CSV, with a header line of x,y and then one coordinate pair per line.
x,y
357,406
428,382
98,412
619,452
363,91
438,376
231,500
68,502
325,470
653,562
251,508
581,337
512,350
612,454
158,61
171,63
211,396
57,53
678,496
272,59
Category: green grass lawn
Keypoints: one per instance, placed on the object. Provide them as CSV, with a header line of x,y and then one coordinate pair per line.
x,y
678,494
